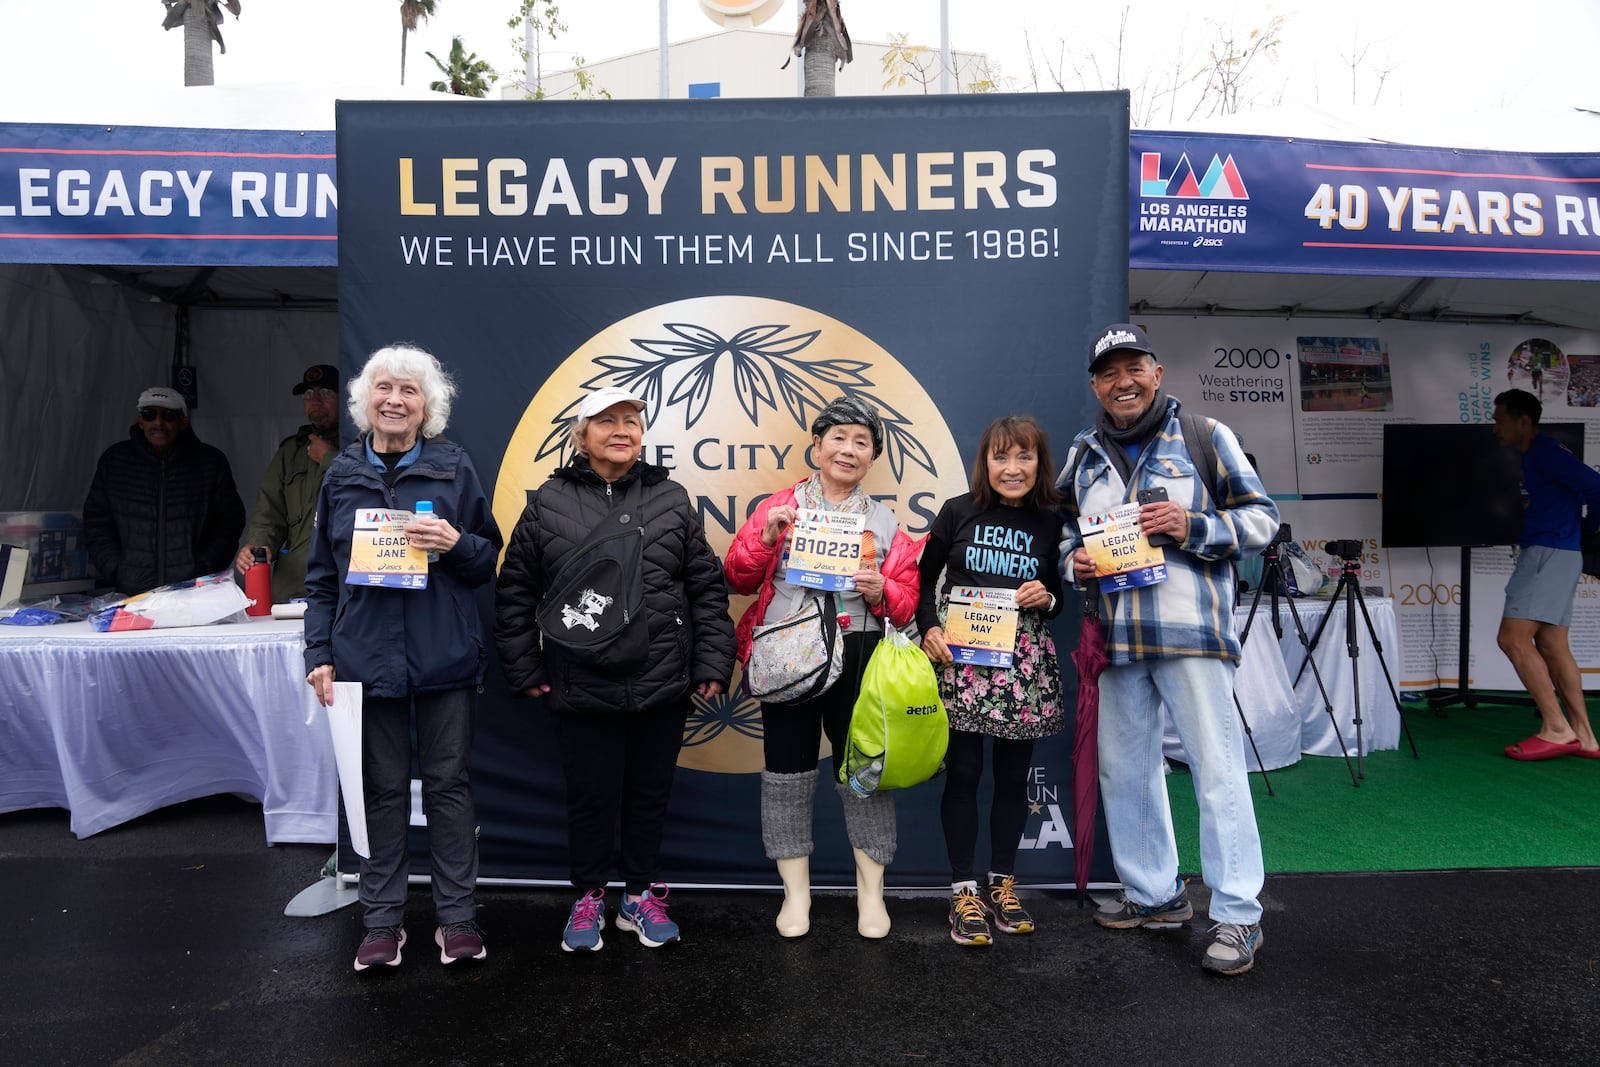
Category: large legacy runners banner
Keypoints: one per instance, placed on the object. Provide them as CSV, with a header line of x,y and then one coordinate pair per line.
x,y
742,262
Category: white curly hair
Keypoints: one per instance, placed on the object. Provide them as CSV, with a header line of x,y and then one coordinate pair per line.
x,y
410,363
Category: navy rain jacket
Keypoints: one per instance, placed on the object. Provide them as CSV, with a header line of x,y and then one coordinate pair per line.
x,y
401,641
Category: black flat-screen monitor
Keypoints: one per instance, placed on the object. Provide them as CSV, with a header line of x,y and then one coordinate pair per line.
x,y
1452,484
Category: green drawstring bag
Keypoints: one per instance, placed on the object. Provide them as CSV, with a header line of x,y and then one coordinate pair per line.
x,y
899,730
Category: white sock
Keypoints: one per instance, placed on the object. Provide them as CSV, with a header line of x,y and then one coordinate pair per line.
x,y
957,887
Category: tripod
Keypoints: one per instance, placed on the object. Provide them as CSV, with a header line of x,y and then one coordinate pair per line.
x,y
1272,579
1349,588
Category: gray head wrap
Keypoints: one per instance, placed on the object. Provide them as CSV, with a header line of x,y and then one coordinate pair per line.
x,y
850,411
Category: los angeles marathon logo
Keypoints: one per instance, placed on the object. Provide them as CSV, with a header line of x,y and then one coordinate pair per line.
x,y
1206,206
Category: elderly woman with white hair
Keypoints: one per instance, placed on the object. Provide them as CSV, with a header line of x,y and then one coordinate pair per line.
x,y
419,653
618,707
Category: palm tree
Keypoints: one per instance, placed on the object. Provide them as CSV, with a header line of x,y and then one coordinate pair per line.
x,y
200,20
825,44
411,13
466,74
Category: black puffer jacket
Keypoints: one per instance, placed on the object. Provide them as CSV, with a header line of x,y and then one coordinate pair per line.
x,y
150,520
685,600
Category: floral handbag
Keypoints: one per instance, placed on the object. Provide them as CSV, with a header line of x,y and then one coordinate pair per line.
x,y
799,656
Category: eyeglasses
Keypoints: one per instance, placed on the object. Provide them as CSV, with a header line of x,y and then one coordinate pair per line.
x,y
319,393
164,414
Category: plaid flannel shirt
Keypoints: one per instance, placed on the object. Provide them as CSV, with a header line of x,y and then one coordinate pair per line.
x,y
1191,613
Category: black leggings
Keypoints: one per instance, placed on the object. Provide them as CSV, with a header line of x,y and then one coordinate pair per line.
x,y
1008,813
791,734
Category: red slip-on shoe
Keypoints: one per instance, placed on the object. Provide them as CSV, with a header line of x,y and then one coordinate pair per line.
x,y
1537,748
1585,753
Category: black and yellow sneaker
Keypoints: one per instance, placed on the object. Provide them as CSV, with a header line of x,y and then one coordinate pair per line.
x,y
968,924
1009,915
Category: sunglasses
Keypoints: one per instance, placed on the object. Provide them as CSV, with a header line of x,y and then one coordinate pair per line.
x,y
164,414
319,393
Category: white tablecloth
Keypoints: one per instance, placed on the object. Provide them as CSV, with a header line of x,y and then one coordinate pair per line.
x,y
1380,727
1262,686
112,726
1286,725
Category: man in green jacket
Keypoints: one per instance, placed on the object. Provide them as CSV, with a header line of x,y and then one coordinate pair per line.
x,y
286,507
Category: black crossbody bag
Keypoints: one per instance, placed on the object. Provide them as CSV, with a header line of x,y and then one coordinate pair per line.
x,y
594,606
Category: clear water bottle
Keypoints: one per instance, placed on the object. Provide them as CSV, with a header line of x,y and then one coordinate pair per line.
x,y
424,508
864,780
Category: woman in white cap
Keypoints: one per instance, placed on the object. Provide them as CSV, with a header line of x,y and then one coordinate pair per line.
x,y
846,436
618,710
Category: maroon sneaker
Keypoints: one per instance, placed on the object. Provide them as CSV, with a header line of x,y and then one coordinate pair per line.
x,y
381,944
459,941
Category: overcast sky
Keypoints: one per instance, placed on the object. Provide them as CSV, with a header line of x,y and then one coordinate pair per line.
x,y
1461,54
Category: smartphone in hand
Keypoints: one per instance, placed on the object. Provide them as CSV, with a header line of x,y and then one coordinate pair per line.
x,y
1150,496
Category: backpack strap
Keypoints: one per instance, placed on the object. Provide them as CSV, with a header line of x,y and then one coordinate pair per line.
x,y
1202,448
602,529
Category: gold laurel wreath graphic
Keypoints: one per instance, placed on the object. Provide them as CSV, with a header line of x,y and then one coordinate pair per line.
x,y
766,373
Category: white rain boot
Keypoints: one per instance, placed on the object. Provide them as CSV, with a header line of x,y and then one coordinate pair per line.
x,y
872,918
794,918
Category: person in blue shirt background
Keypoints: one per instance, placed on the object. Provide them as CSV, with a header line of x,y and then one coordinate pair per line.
x,y
1556,486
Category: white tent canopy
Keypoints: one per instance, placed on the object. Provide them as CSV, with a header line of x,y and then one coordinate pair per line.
x,y
78,343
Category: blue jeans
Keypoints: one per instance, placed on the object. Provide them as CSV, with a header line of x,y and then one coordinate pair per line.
x,y
1197,691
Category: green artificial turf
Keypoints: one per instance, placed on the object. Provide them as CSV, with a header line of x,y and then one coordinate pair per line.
x,y
1463,804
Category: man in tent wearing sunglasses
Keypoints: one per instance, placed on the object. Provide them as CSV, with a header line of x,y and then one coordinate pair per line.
x,y
162,507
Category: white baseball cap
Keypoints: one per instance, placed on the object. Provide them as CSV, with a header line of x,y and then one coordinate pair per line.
x,y
600,399
158,396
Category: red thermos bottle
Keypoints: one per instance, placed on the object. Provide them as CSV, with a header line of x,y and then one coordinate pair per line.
x,y
258,585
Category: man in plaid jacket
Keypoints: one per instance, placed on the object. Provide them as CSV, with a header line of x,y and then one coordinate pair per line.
x,y
1171,643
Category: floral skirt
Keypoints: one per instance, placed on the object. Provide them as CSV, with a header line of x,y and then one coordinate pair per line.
x,y
1017,702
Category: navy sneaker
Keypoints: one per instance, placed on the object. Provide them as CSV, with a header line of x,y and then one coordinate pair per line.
x,y
459,941
380,945
1233,948
588,918
647,917
1124,914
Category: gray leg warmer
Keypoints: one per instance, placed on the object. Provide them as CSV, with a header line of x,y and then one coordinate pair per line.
x,y
870,823
786,803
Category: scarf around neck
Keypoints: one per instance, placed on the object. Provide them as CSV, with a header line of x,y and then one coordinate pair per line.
x,y
809,495
1144,428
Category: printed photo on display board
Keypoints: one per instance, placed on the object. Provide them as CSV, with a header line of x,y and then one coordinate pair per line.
x,y
1538,366
1583,381
1344,374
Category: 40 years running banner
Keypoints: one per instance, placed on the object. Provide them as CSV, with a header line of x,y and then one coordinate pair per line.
x,y
744,262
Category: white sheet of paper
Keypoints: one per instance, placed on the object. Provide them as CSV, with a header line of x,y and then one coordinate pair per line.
x,y
344,721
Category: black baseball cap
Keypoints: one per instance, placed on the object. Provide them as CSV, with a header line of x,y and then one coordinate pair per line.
x,y
1118,337
321,376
